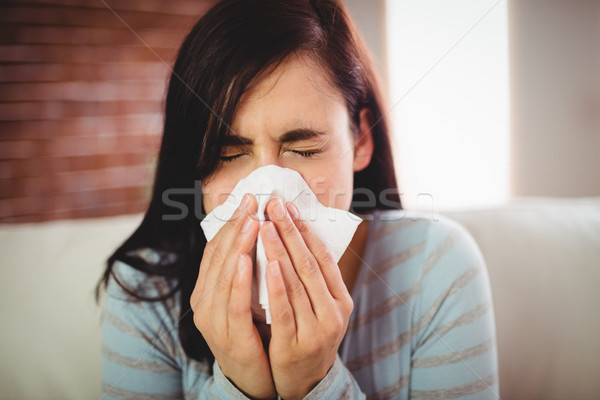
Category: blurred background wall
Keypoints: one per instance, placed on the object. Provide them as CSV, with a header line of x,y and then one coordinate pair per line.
x,y
555,97
81,101
81,97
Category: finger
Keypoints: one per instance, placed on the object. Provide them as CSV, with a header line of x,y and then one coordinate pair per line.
x,y
247,203
305,263
222,287
329,267
239,315
283,324
220,247
216,270
296,293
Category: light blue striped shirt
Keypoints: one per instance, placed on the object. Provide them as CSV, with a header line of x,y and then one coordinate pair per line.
x,y
422,326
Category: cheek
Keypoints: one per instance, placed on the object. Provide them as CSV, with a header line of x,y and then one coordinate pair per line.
x,y
215,194
335,187
218,189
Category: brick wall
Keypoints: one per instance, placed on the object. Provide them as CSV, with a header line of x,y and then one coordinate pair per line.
x,y
81,100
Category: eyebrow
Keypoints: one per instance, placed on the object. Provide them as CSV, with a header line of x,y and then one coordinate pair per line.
x,y
295,135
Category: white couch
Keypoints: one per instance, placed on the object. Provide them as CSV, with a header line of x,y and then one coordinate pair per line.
x,y
543,257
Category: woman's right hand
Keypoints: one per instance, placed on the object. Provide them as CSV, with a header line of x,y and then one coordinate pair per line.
x,y
221,303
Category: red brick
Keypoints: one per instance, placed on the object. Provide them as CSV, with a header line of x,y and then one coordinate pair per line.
x,y
17,149
94,17
130,70
179,7
56,53
82,91
6,169
117,177
23,219
20,168
23,187
82,102
18,206
77,35
71,146
44,110
150,124
99,198
6,210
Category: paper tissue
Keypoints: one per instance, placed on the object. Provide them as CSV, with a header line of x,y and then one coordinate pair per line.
x,y
334,226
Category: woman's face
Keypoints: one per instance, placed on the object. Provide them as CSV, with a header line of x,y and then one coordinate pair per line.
x,y
294,118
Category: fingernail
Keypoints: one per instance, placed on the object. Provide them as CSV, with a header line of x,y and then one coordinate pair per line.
x,y
273,267
247,224
271,231
278,209
293,210
242,207
245,201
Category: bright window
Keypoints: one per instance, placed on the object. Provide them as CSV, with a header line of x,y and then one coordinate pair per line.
x,y
449,99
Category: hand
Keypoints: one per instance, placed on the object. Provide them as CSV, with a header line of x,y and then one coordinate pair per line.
x,y
309,302
221,304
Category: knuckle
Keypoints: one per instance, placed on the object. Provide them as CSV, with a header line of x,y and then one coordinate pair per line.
x,y
309,266
238,246
236,309
287,228
317,346
199,322
217,256
223,283
208,249
302,226
200,308
323,251
347,305
193,301
286,315
295,289
280,254
278,291
337,324
286,358
196,303
350,304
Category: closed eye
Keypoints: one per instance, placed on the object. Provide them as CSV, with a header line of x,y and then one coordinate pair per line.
x,y
230,158
307,153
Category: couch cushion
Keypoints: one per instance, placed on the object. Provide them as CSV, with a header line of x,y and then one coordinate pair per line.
x,y
50,347
543,257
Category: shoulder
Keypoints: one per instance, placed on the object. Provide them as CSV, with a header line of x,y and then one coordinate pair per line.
x,y
132,284
129,311
449,274
415,255
437,240
434,256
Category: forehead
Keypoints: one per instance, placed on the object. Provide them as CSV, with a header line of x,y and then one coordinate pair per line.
x,y
297,91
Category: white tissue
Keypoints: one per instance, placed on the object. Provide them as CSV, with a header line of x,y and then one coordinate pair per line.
x,y
334,226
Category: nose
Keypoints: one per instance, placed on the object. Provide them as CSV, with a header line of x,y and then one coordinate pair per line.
x,y
268,157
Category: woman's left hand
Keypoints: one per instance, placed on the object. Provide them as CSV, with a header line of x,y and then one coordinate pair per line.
x,y
309,302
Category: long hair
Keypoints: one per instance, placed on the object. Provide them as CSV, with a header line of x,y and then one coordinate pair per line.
x,y
230,46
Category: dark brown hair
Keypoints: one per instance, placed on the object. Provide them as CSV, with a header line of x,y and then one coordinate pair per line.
x,y
225,51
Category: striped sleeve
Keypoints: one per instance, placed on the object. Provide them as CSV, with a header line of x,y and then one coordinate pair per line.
x,y
455,350
141,354
337,384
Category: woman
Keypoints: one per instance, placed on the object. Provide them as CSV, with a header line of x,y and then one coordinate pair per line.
x,y
406,312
